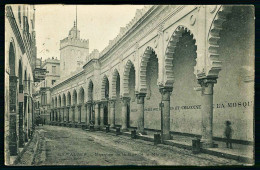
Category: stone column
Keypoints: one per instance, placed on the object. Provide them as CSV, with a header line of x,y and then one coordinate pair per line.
x,y
87,113
13,147
165,106
73,114
207,111
63,113
52,115
55,111
140,107
79,113
101,114
20,99
68,114
96,115
124,113
57,115
59,110
76,113
112,113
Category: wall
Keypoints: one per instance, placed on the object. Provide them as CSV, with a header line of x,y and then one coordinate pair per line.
x,y
70,55
234,96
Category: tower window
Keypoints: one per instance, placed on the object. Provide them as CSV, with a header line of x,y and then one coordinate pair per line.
x,y
54,69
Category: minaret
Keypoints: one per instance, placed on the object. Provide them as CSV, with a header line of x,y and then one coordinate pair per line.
x,y
73,50
76,21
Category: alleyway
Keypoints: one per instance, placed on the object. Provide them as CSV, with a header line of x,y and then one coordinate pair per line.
x,y
71,146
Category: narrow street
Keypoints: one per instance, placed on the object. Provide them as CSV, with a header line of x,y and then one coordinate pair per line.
x,y
74,146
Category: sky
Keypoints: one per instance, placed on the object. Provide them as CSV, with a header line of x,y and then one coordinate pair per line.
x,y
98,23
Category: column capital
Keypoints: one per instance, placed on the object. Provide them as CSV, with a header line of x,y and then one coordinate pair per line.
x,y
73,106
88,103
206,81
166,93
101,104
125,99
140,98
112,101
95,102
79,105
13,79
207,85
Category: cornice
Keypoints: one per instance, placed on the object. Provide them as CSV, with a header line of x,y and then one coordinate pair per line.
x,y
14,26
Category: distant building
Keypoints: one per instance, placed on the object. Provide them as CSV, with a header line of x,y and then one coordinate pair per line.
x,y
73,52
42,92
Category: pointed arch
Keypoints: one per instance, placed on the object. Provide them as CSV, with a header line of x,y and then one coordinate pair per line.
x,y
143,66
68,99
63,99
81,95
59,101
128,66
56,102
104,85
74,97
213,37
170,49
52,102
90,90
113,83
12,58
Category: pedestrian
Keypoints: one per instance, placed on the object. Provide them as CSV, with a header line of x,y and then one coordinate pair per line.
x,y
228,134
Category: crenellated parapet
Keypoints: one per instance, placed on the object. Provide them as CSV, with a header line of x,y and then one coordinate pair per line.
x,y
81,43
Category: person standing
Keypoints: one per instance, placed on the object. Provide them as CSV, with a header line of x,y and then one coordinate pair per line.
x,y
228,134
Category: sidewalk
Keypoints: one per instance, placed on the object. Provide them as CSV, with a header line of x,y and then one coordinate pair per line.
x,y
240,152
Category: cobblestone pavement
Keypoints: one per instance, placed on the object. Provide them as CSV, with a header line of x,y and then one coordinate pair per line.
x,y
73,146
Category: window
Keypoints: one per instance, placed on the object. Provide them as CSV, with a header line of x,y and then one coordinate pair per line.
x,y
53,81
54,69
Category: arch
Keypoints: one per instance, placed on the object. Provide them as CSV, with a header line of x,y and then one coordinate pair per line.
x,y
59,103
68,98
12,58
113,83
90,90
128,66
213,37
63,100
20,73
143,66
81,95
56,102
170,49
74,98
104,85
52,102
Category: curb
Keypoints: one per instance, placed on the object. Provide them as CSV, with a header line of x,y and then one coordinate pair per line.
x,y
20,154
189,147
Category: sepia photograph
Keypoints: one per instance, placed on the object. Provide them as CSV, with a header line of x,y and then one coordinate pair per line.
x,y
139,85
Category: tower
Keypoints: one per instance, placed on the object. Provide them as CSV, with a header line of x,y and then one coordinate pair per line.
x,y
73,51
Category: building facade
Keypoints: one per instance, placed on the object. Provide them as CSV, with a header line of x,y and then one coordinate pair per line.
x,y
42,94
20,60
184,69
